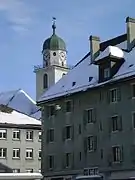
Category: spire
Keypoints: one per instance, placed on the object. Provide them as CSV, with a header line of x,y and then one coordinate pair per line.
x,y
54,25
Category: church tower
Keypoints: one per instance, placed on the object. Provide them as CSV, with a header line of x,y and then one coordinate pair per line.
x,y
54,64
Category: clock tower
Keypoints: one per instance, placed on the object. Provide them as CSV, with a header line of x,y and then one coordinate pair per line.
x,y
54,64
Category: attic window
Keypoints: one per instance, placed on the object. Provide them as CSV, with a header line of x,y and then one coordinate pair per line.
x,y
73,83
130,65
106,73
90,78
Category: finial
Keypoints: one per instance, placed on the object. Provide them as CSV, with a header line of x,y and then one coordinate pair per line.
x,y
54,25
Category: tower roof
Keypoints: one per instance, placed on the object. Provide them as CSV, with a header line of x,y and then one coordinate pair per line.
x,y
54,42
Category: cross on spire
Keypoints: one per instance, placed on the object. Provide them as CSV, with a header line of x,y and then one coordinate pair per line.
x,y
54,25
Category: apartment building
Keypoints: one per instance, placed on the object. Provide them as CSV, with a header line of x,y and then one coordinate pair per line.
x,y
89,115
20,141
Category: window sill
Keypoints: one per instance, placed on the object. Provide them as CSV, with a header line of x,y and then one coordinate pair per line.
x,y
15,139
116,131
90,151
3,138
30,140
28,158
114,102
3,158
16,158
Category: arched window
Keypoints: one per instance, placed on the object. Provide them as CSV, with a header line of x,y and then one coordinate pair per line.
x,y
45,81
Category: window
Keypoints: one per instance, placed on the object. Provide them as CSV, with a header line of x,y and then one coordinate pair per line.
x,y
51,135
117,153
91,143
3,152
80,156
79,129
45,81
16,153
3,133
39,135
16,135
90,115
68,106
106,73
29,153
39,154
54,54
16,170
133,90
68,158
116,123
68,132
101,153
113,95
51,109
63,74
29,170
51,162
29,135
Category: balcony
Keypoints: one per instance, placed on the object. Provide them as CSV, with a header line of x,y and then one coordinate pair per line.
x,y
38,67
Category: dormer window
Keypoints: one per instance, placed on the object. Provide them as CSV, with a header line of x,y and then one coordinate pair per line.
x,y
106,73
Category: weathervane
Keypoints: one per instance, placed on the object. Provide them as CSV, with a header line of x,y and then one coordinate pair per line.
x,y
54,25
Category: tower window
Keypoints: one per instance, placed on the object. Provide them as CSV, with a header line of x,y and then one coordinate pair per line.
x,y
54,53
45,81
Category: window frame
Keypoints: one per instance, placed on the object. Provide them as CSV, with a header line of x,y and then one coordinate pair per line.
x,y
51,130
110,94
113,124
29,150
120,152
39,154
2,149
16,134
70,132
90,144
39,134
88,115
45,81
28,135
16,150
51,156
68,109
2,132
106,72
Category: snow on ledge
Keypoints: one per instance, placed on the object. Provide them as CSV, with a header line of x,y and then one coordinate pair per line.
x,y
111,51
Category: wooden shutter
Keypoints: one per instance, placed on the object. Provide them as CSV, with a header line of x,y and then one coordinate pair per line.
x,y
84,118
118,93
85,145
133,153
72,131
95,143
47,136
108,94
64,133
120,123
121,154
94,115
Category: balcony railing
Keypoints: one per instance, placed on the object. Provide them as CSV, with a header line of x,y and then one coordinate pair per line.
x,y
38,67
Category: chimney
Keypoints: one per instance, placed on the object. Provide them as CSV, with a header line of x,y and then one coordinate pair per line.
x,y
94,47
130,33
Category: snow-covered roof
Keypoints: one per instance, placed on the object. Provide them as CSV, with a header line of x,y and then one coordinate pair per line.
x,y
20,101
111,51
17,118
85,74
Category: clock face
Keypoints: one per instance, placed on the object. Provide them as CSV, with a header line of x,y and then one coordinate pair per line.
x,y
46,55
62,56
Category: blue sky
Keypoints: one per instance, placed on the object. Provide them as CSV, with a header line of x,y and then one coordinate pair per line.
x,y
25,24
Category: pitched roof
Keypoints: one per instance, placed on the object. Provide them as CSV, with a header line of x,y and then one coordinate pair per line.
x,y
17,118
20,101
85,74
